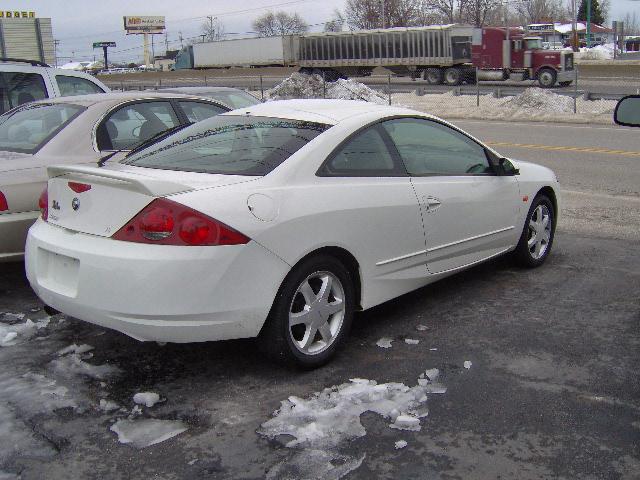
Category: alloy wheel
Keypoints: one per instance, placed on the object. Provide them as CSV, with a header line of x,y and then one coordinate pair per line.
x,y
539,235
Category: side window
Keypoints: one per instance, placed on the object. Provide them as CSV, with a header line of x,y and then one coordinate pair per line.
x,y
430,148
134,123
196,111
17,88
70,86
366,154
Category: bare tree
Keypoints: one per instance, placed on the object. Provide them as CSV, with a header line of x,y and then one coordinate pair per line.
x,y
631,24
477,12
539,11
446,10
279,23
212,30
367,14
336,23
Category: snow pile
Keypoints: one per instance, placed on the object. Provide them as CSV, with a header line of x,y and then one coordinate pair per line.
x,y
599,52
328,419
384,342
148,399
299,85
13,332
72,364
533,104
142,433
411,341
541,100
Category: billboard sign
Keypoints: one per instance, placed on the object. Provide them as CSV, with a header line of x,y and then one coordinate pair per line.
x,y
144,24
16,14
103,44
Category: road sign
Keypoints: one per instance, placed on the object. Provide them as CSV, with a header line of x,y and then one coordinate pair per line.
x,y
103,44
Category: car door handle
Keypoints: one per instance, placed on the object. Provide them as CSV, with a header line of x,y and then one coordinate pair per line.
x,y
431,203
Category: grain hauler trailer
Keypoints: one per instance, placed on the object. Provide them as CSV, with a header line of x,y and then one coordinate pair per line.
x,y
436,53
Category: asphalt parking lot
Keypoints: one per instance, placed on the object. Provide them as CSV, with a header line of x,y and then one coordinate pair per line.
x,y
552,389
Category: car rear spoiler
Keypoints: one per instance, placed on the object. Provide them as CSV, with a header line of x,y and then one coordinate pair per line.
x,y
139,183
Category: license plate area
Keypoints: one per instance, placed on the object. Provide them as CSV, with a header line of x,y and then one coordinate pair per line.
x,y
58,273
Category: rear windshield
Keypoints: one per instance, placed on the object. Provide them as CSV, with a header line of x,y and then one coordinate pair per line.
x,y
233,99
233,145
29,128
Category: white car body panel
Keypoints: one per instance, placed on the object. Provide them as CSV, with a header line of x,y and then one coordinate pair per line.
x,y
382,222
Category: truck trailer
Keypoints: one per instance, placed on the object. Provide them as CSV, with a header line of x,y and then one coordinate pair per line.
x,y
449,54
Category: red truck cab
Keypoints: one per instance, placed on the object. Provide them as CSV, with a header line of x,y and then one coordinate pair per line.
x,y
495,57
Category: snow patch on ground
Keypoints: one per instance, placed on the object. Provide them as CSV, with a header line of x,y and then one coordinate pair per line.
x,y
142,433
400,444
299,85
108,405
421,328
148,399
14,332
328,419
314,465
411,341
384,342
72,364
467,364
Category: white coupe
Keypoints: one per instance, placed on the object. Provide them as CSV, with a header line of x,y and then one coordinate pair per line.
x,y
278,221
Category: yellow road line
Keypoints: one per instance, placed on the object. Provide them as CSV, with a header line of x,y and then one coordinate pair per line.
x,y
605,151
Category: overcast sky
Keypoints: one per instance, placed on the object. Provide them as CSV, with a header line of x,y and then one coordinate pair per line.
x,y
78,23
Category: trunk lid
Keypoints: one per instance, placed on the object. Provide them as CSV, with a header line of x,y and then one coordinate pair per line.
x,y
117,193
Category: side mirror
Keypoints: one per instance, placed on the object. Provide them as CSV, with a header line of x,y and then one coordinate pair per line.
x,y
507,168
627,112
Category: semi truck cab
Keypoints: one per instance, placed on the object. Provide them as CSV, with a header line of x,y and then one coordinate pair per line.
x,y
497,58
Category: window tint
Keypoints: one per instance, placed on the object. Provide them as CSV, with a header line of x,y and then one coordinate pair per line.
x,y
76,86
365,154
29,128
230,145
135,123
17,88
430,148
197,111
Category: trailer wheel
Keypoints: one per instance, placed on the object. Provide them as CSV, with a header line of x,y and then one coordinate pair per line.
x,y
452,76
433,76
547,77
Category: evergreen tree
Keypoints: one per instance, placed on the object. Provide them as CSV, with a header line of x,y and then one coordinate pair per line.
x,y
596,12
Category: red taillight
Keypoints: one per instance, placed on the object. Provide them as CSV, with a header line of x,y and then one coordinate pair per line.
x,y
79,187
3,203
43,204
165,222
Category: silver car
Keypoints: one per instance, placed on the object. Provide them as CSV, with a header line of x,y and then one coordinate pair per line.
x,y
80,129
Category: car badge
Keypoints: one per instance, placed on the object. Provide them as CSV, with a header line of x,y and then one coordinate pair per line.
x,y
55,205
75,203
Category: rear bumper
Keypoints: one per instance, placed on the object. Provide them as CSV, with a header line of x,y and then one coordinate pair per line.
x,y
154,292
13,233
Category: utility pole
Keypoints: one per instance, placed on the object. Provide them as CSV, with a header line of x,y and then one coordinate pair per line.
x,y
574,33
55,51
166,43
588,23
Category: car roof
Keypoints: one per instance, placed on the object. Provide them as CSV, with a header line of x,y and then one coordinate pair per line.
x,y
200,89
115,98
320,110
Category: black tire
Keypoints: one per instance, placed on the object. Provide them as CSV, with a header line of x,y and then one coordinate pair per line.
x,y
452,76
277,338
547,77
433,76
523,255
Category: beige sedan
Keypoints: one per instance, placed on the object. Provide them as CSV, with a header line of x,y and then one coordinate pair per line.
x,y
82,129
